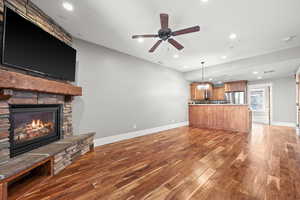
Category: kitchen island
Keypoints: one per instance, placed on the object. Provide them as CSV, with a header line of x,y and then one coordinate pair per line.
x,y
230,117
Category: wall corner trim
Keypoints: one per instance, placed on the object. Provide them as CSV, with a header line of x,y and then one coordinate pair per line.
x,y
125,136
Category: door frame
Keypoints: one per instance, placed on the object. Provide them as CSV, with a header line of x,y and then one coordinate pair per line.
x,y
259,85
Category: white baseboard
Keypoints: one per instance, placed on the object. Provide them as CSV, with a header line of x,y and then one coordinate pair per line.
x,y
125,136
289,124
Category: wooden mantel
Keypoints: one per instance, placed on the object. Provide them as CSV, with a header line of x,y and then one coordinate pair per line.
x,y
18,81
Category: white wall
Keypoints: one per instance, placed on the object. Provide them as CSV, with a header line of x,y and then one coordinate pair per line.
x,y
120,90
283,100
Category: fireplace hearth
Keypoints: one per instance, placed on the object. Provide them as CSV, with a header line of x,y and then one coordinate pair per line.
x,y
33,126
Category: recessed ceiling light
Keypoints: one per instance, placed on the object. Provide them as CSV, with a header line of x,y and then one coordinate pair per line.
x,y
224,57
68,6
232,36
259,77
185,67
140,40
176,56
204,1
255,72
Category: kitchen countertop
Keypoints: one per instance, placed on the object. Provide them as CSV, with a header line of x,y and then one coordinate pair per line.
x,y
218,105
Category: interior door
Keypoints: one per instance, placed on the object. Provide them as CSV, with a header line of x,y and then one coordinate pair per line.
x,y
260,103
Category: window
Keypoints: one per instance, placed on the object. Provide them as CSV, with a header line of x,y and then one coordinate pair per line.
x,y
257,100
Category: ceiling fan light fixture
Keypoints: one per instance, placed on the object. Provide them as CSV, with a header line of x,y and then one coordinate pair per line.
x,y
166,34
140,40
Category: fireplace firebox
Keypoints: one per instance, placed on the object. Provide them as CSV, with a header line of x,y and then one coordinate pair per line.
x,y
33,126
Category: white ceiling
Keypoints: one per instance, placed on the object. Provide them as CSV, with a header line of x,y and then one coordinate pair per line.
x,y
278,64
260,26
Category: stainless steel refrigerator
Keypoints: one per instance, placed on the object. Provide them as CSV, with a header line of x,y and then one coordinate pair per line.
x,y
235,97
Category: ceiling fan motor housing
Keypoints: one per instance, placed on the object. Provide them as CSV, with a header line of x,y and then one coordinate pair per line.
x,y
164,33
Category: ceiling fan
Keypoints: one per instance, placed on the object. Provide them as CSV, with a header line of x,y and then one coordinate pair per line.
x,y
166,34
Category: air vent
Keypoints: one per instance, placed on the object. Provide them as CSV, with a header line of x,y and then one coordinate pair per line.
x,y
269,71
289,38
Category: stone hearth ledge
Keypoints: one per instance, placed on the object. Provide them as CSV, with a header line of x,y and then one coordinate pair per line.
x,y
20,163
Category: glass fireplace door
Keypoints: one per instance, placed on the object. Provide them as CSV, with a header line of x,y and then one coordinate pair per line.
x,y
32,125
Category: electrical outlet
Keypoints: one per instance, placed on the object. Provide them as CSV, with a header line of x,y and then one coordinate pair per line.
x,y
134,126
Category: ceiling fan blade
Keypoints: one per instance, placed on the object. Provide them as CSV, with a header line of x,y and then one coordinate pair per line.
x,y
155,46
186,30
164,20
144,36
176,44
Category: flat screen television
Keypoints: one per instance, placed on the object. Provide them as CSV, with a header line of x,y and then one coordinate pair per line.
x,y
28,47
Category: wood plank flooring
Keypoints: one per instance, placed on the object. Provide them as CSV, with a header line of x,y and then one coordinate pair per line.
x,y
184,164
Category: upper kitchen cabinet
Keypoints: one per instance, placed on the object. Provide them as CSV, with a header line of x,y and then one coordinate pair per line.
x,y
198,94
218,93
236,86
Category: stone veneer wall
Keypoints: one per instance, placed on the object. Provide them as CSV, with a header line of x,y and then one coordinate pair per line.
x,y
31,12
24,97
69,155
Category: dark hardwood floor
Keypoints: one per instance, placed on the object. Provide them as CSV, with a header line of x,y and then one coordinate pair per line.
x,y
184,164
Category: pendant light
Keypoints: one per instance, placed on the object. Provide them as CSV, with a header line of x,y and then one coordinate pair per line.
x,y
203,85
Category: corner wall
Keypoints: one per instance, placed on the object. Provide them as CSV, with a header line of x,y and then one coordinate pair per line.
x,y
123,94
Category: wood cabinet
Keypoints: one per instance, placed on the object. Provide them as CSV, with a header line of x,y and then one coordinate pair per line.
x,y
197,94
236,86
213,93
218,93
224,117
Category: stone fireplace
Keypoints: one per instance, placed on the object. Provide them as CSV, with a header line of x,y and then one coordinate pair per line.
x,y
32,126
36,135
29,120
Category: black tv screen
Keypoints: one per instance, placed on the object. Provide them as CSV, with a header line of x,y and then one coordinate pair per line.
x,y
26,46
